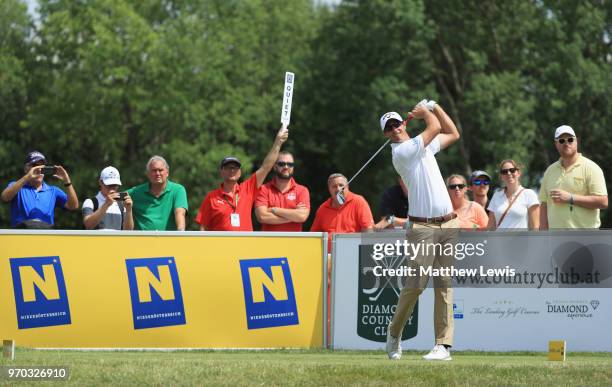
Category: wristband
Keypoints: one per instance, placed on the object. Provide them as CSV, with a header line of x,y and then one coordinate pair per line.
x,y
67,184
273,210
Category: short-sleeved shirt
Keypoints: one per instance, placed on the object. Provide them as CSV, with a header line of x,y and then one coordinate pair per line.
x,y
353,216
473,217
217,207
269,196
32,204
584,177
419,169
518,215
394,202
112,219
157,213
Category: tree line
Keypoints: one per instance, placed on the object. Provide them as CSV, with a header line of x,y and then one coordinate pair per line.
x,y
92,83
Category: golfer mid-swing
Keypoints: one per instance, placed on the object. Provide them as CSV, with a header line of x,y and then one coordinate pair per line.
x,y
431,217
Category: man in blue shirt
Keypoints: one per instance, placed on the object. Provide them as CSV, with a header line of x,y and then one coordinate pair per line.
x,y
33,201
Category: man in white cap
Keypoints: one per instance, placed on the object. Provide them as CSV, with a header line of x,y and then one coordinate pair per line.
x,y
109,209
431,220
573,188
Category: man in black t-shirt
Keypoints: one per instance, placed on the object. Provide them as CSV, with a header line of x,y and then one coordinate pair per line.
x,y
393,207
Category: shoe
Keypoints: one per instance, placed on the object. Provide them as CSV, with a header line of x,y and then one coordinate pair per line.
x,y
439,352
394,346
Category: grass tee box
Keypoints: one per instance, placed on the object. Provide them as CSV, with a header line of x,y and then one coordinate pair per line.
x,y
162,290
319,367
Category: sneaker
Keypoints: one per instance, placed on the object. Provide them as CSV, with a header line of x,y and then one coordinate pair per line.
x,y
394,346
439,352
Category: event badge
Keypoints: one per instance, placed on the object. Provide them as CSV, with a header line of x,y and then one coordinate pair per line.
x,y
235,219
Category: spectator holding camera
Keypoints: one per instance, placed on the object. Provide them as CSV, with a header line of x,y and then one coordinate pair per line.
x,y
109,209
32,200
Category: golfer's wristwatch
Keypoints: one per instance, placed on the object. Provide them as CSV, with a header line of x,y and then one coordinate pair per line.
x,y
391,220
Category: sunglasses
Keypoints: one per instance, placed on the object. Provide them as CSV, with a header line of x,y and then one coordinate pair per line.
x,y
455,186
392,125
481,182
508,171
562,140
282,164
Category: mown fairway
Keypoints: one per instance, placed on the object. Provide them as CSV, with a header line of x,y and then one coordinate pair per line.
x,y
317,367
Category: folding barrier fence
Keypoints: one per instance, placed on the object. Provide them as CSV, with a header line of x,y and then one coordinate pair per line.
x,y
496,317
76,289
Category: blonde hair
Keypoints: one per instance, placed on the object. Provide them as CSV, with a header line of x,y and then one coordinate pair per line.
x,y
456,176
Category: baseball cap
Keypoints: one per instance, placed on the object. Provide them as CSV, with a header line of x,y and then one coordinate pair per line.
x,y
564,129
477,174
110,176
35,157
230,159
389,116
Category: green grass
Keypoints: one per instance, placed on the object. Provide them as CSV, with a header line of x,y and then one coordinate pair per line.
x,y
318,367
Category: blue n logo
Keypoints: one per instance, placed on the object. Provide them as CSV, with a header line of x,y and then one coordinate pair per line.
x,y
269,296
155,291
40,292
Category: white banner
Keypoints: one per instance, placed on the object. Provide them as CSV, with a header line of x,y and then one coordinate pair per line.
x,y
492,319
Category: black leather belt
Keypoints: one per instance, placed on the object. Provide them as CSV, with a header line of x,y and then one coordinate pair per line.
x,y
437,219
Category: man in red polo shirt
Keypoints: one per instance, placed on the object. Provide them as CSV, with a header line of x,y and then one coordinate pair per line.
x,y
352,216
228,208
282,204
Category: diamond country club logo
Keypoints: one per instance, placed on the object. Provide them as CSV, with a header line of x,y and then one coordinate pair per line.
x,y
378,297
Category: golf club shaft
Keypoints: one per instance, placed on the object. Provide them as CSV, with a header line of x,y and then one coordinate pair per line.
x,y
375,154
368,162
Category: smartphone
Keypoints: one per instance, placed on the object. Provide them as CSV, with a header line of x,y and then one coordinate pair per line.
x,y
48,170
122,196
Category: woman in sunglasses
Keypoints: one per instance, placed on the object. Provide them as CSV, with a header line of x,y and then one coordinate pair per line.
x,y
513,206
471,215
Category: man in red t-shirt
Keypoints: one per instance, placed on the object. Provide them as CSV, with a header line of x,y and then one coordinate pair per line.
x,y
228,208
282,204
353,216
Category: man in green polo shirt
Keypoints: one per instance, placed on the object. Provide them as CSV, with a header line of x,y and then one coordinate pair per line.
x,y
573,188
159,204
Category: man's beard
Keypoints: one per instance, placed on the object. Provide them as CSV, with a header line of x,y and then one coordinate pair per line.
x,y
280,175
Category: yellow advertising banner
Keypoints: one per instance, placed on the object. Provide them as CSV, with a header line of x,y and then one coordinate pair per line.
x,y
162,290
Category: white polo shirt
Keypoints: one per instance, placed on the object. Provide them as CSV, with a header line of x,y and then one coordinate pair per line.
x,y
419,169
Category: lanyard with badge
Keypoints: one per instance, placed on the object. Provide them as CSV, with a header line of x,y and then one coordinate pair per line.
x,y
234,216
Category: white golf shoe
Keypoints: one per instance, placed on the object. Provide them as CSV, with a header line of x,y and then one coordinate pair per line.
x,y
394,346
439,352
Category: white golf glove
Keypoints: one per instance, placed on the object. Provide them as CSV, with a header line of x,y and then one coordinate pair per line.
x,y
430,105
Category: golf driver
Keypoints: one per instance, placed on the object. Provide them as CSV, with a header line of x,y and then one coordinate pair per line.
x,y
340,194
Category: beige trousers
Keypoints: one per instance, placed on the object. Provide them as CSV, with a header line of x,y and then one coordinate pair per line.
x,y
431,235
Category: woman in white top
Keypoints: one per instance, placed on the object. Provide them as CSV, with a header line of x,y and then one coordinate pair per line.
x,y
513,206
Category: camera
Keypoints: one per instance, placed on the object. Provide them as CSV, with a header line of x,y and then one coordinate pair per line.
x,y
48,170
122,196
